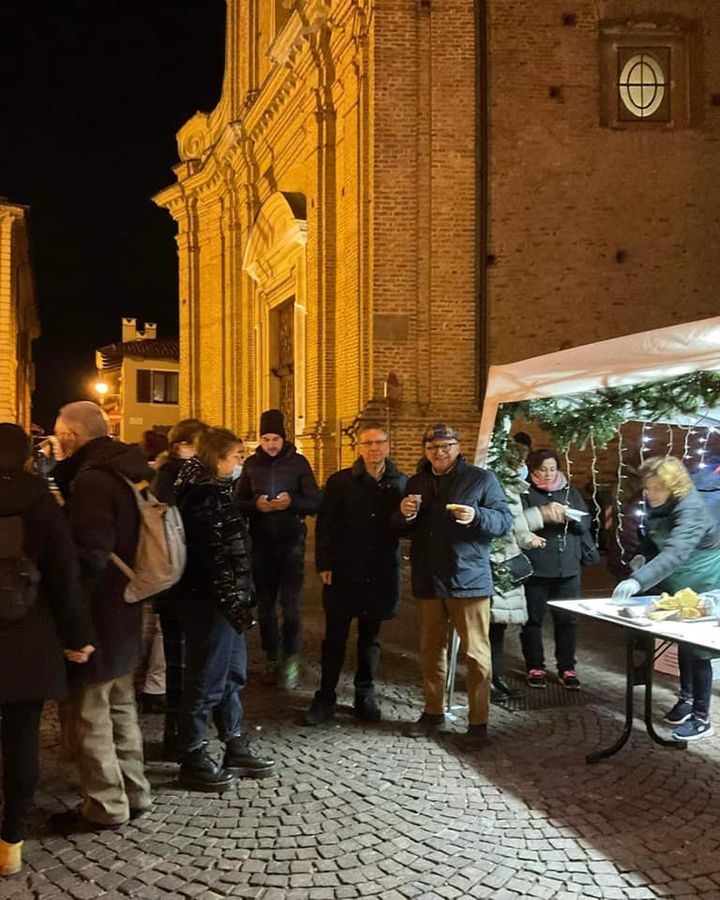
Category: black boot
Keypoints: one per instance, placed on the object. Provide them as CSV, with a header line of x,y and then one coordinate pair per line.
x,y
200,772
366,708
241,759
320,711
500,690
427,725
170,738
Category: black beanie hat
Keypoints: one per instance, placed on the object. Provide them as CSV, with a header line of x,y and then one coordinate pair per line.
x,y
14,446
272,422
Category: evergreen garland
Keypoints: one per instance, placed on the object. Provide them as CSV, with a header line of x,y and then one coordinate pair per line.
x,y
601,413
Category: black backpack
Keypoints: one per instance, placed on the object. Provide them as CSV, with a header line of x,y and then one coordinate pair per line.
x,y
19,576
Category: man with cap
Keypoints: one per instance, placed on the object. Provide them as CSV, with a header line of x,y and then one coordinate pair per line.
x,y
277,489
452,511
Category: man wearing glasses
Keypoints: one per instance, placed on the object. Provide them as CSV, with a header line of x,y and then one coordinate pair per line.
x,y
358,561
452,511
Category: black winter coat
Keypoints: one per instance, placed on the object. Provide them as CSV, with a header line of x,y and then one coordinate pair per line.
x,y
271,475
104,519
31,661
163,483
449,559
561,557
218,570
355,540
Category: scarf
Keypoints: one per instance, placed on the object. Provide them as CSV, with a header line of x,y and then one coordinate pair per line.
x,y
557,484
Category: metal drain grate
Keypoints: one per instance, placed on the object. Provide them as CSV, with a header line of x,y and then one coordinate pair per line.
x,y
554,694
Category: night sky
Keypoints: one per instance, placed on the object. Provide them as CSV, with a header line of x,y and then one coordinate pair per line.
x,y
92,95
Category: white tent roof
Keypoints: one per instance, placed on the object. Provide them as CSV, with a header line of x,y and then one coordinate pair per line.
x,y
632,359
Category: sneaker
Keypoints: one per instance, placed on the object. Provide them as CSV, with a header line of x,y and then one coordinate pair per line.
x,y
568,679
680,713
366,709
241,759
200,772
536,678
10,858
694,729
428,724
320,711
290,673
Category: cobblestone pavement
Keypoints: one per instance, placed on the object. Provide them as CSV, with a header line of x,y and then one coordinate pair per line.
x,y
362,811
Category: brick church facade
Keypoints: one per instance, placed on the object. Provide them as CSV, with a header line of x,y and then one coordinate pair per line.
x,y
392,195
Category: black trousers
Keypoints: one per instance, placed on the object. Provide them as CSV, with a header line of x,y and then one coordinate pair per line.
x,y
278,570
173,632
537,593
337,628
497,640
19,742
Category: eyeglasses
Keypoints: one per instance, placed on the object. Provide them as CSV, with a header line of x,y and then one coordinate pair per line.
x,y
372,443
444,448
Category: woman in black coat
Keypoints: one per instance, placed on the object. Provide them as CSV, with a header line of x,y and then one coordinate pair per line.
x,y
556,568
215,606
32,668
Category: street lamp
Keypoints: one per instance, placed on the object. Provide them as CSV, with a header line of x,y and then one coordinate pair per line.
x,y
101,387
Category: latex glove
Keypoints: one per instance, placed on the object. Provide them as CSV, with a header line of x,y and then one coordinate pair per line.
x,y
626,589
637,562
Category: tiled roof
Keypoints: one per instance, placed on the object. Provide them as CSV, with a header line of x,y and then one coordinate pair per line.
x,y
155,348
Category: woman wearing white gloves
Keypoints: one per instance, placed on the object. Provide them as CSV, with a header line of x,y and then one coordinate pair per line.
x,y
682,549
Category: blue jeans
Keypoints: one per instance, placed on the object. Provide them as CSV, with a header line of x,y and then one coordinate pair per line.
x,y
215,674
279,568
696,678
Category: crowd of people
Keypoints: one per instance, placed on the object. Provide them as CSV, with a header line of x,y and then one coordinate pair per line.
x,y
68,634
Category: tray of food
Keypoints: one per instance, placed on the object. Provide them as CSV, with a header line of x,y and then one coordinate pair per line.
x,y
683,606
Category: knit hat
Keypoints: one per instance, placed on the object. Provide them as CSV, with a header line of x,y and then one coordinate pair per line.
x,y
441,432
272,422
14,446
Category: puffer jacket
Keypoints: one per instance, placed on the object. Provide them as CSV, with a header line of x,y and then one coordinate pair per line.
x,y
218,570
510,608
271,475
673,533
449,559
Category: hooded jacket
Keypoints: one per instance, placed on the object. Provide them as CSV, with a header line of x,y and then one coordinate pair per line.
x,y
450,559
218,569
510,608
104,519
31,661
271,475
355,541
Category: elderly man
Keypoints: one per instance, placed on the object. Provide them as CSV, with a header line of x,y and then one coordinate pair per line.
x,y
358,560
452,511
100,715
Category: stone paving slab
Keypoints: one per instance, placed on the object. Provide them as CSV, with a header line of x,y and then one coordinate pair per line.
x,y
361,811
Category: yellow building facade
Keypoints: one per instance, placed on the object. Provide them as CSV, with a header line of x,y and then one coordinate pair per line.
x,y
321,268
391,195
138,382
19,323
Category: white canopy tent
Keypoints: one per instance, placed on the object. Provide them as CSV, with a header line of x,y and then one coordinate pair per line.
x,y
633,359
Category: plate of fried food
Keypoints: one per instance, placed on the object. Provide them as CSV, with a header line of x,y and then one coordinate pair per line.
x,y
683,606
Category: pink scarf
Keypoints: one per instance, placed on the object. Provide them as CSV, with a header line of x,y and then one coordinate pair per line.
x,y
557,484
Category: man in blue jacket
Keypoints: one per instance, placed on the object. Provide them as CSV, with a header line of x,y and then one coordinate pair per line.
x,y
452,511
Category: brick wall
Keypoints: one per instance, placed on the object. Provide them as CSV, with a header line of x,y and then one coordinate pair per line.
x,y
596,232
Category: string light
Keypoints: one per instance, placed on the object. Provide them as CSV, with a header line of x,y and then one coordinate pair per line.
x,y
594,478
618,502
